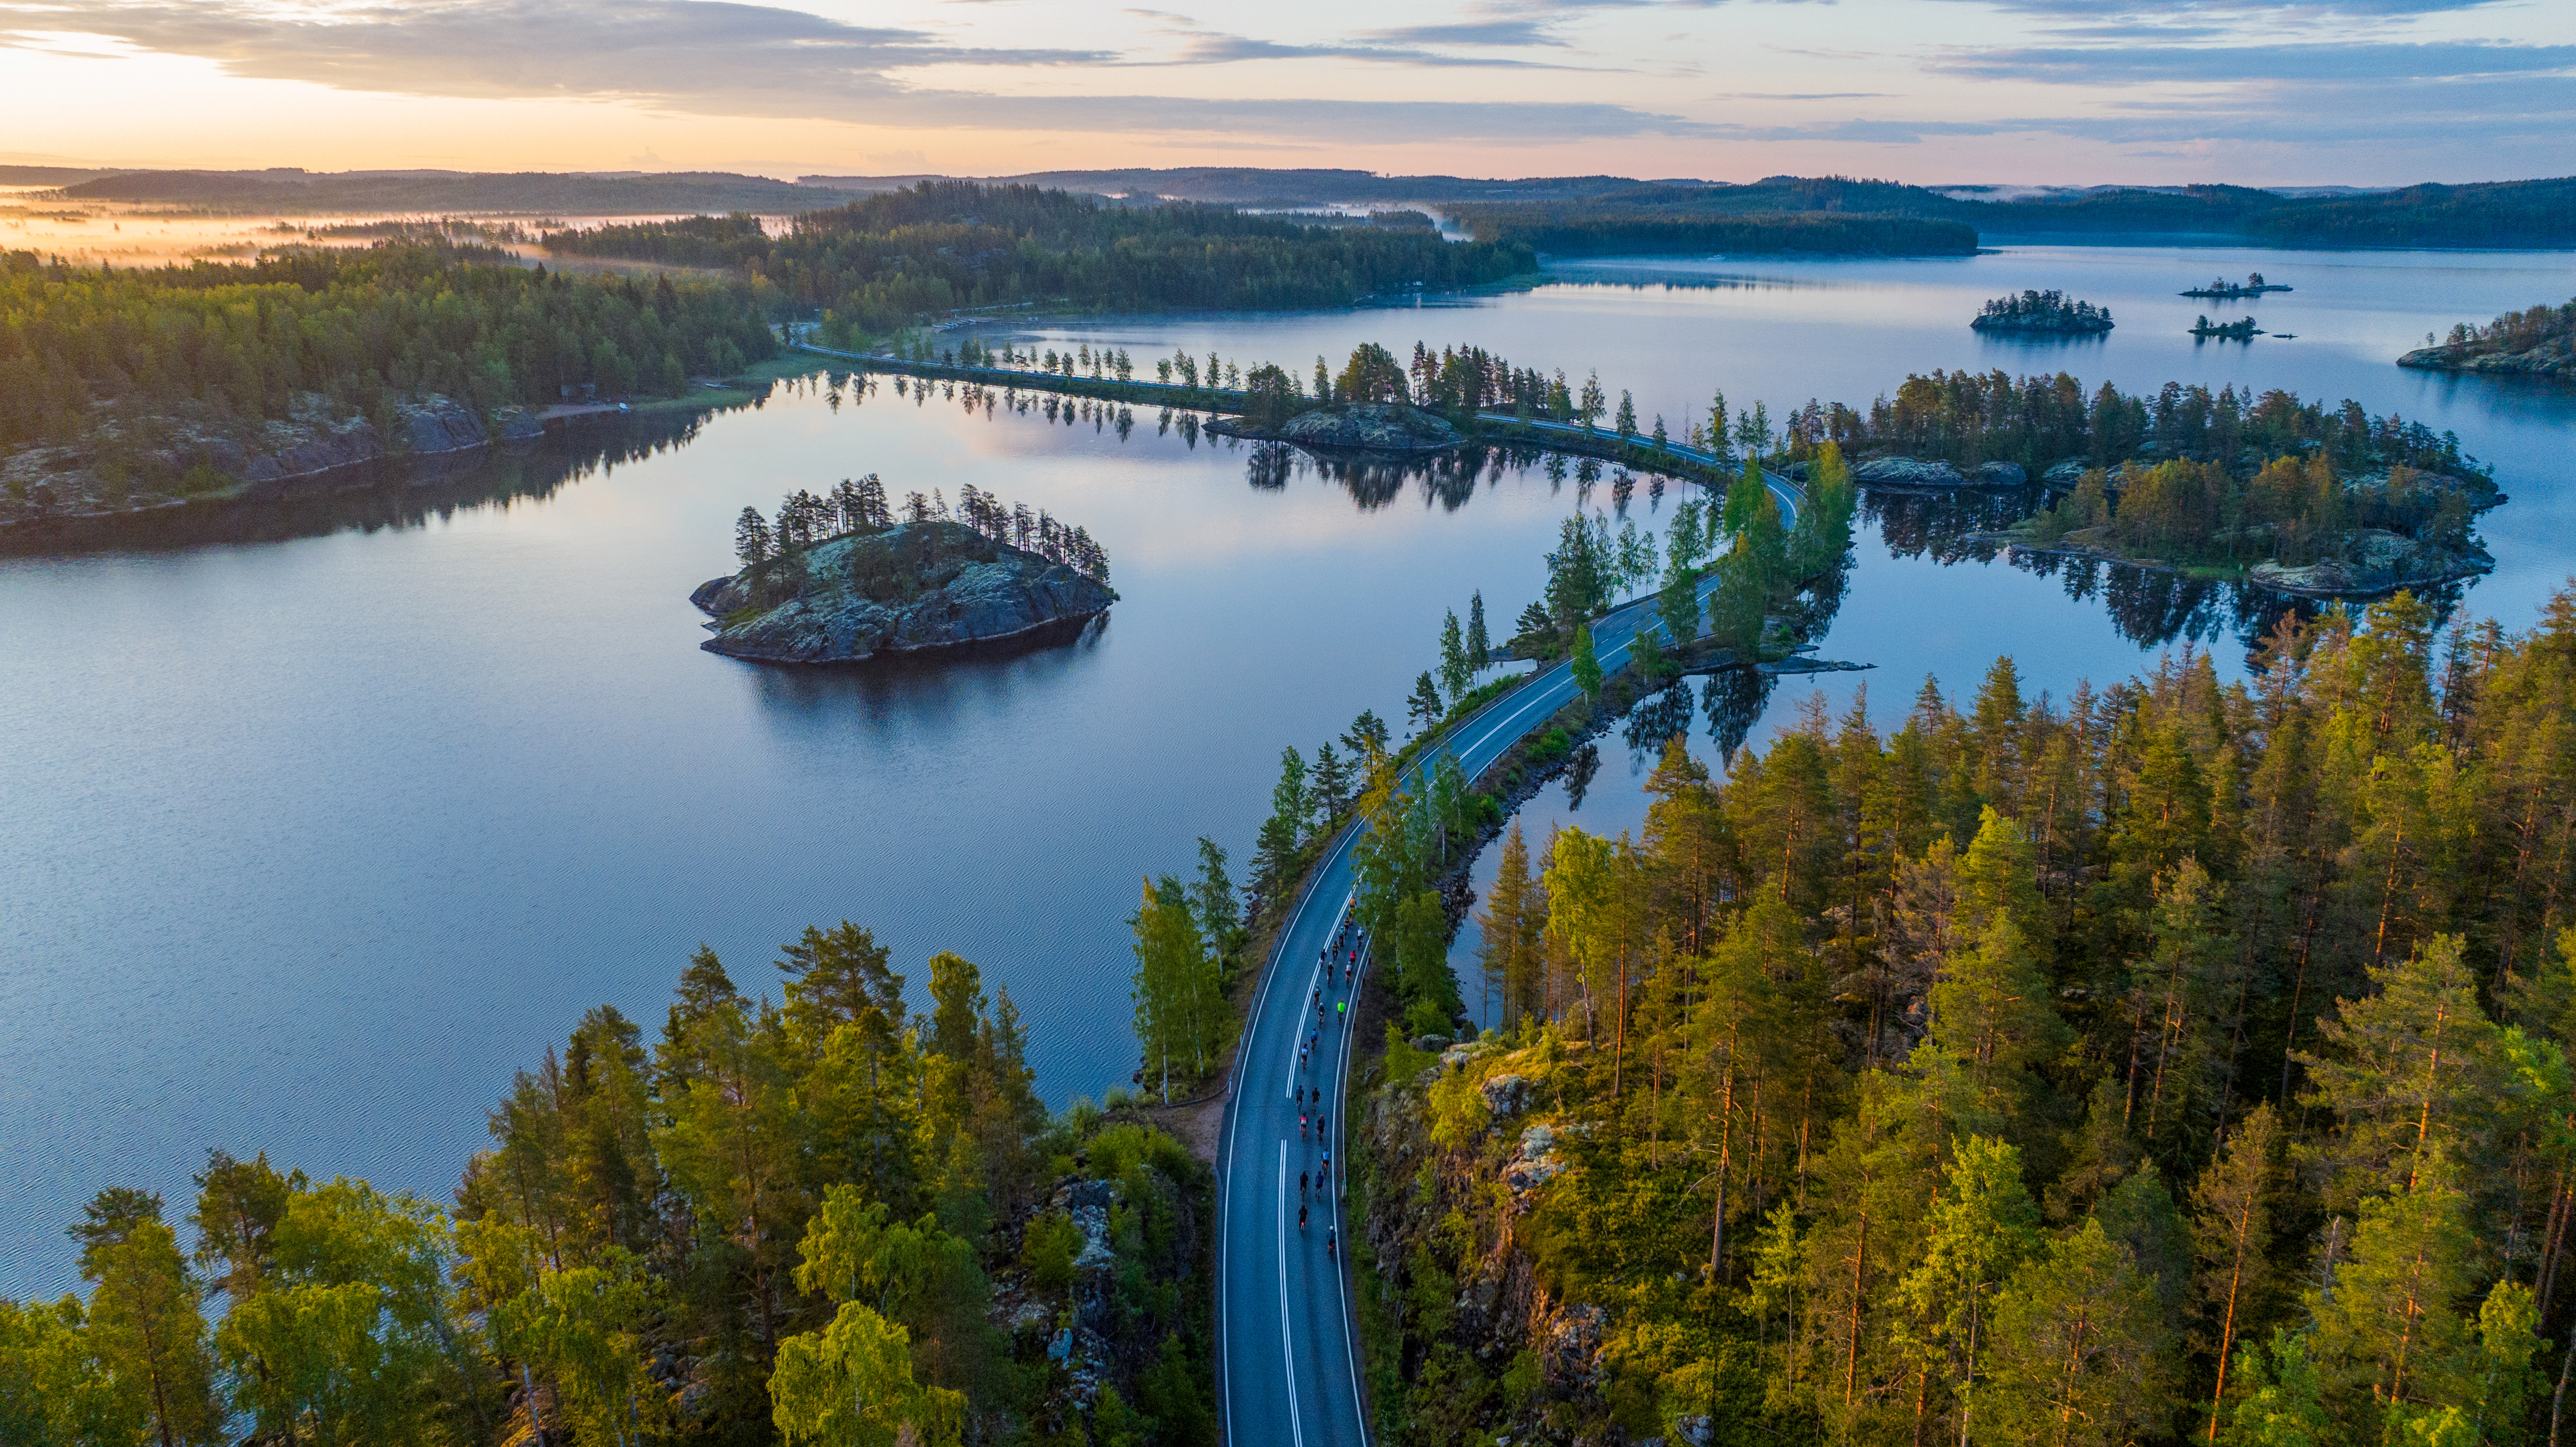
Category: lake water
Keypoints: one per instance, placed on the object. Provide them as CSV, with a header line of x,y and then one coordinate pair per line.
x,y
316,833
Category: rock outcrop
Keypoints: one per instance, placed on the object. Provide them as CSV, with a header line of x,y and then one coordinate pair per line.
x,y
1914,472
2552,357
2380,562
128,461
1361,427
909,589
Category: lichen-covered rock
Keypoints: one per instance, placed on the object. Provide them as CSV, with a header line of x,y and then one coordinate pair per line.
x,y
2553,357
2067,473
1506,1095
2382,562
912,588
2001,474
1908,472
1365,427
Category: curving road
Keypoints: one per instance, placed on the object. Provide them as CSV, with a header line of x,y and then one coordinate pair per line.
x,y
1287,1353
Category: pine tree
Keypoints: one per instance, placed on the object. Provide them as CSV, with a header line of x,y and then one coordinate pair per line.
x,y
1425,704
1456,672
1627,419
2232,1238
1981,1228
144,1324
2079,1354
1285,830
1507,936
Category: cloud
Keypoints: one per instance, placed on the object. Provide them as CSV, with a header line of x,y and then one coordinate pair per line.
x,y
2135,64
719,57
1497,33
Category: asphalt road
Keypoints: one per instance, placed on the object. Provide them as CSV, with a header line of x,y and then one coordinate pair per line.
x,y
1287,1352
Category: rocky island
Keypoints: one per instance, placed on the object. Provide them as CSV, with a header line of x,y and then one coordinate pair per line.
x,y
2042,311
2225,290
2537,342
838,580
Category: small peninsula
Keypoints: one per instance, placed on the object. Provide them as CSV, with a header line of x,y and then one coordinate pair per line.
x,y
2043,311
837,580
2225,290
2537,342
2296,525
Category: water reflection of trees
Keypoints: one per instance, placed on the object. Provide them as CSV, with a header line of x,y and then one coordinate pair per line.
x,y
1447,478
2148,606
376,497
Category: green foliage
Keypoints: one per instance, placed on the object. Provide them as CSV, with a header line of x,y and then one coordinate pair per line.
x,y
1587,668
883,261
359,328
2181,1059
1182,1019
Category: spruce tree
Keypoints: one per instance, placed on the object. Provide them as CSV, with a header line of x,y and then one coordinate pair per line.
x,y
1480,644
1425,704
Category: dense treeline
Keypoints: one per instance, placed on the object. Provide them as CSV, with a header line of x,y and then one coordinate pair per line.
x,y
735,240
2178,1060
2527,330
1587,230
356,327
883,261
2289,511
2497,213
813,1220
1967,418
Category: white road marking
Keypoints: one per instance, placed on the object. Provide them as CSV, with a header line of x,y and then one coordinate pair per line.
x,y
1287,1342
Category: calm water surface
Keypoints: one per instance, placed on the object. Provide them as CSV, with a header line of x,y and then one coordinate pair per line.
x,y
315,837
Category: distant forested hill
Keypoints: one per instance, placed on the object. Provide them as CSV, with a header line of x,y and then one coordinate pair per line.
x,y
882,261
1581,229
291,190
2502,213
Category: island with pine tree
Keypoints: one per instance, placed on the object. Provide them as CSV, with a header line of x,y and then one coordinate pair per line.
x,y
838,579
2043,311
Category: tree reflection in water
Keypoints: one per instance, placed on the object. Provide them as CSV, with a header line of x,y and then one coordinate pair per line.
x,y
377,496
2148,606
1448,477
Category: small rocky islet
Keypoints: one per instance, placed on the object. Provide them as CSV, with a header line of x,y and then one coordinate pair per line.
x,y
902,589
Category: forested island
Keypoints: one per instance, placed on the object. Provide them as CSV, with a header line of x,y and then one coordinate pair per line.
x,y
2224,290
2177,1061
2042,311
881,262
2292,525
838,579
129,390
2242,329
2538,341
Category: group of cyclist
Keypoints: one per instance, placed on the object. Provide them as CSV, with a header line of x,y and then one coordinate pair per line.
x,y
1344,952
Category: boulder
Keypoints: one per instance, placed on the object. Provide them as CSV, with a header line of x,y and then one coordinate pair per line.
x,y
1535,1163
2067,473
2001,474
1506,1095
912,588
2381,562
1907,472
1369,427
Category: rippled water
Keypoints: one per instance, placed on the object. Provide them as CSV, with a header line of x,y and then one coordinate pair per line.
x,y
318,832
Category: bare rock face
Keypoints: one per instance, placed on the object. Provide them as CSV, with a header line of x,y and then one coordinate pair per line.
x,y
1908,472
2381,562
1369,427
908,589
2553,357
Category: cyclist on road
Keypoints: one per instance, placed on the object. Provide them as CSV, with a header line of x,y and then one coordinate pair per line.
x,y
1301,1218
1301,1185
1332,1244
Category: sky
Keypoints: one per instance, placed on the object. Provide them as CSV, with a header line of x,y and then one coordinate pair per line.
x,y
1935,92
